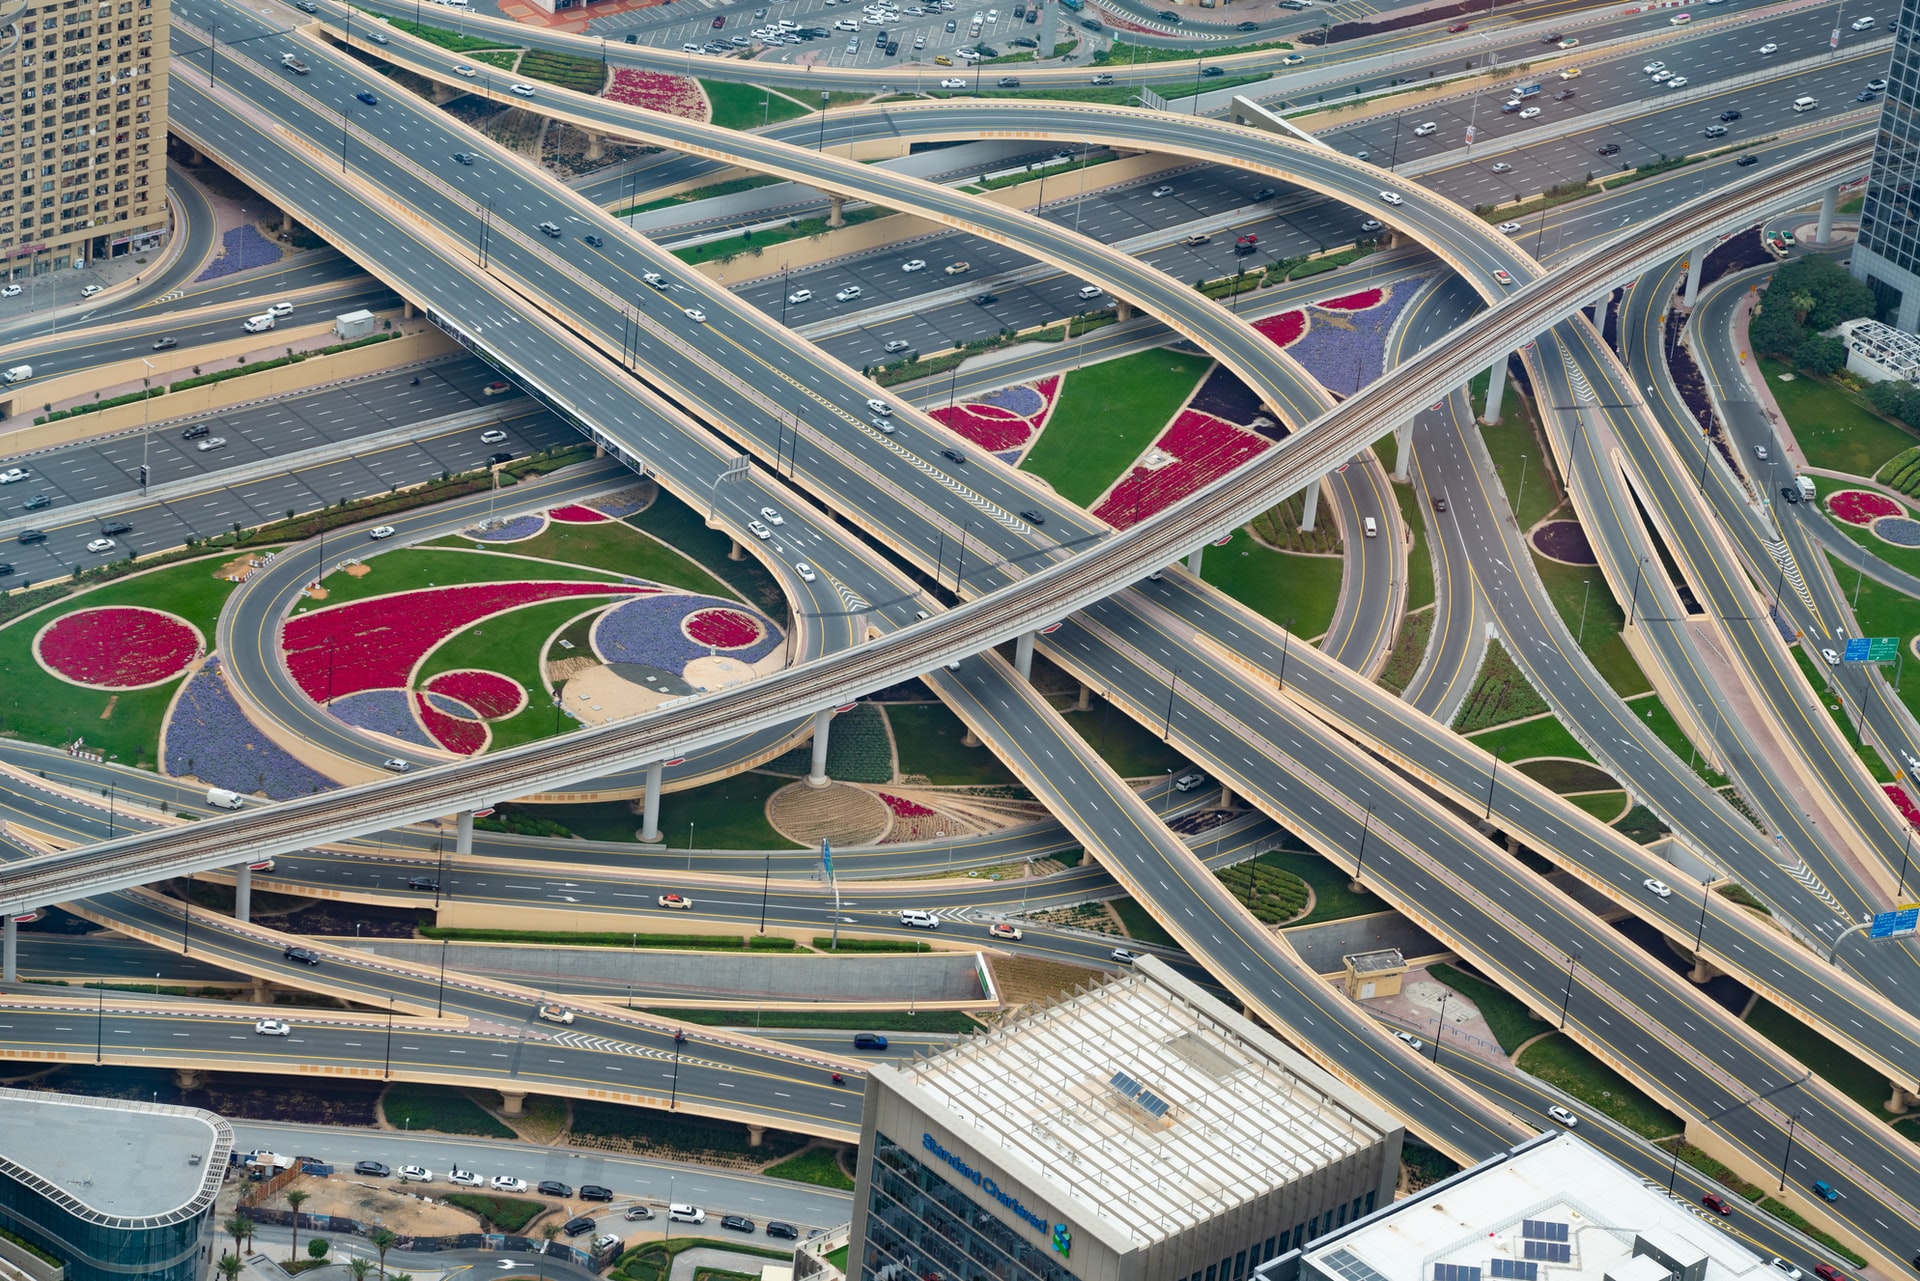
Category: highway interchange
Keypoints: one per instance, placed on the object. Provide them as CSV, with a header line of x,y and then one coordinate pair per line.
x,y
1684,1050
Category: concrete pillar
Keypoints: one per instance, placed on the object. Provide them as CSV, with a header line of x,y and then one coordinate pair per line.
x,y
1122,310
287,224
1195,559
1829,204
1312,509
599,450
736,552
1696,262
1023,655
10,952
1226,796
1402,450
817,776
836,211
1702,971
243,893
189,1078
650,810
596,146
1901,1100
407,312
1496,391
512,1102
755,1133
968,739
262,991
463,834
1600,307
1086,698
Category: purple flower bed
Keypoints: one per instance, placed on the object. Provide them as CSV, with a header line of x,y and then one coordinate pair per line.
x,y
452,706
1017,399
1009,456
1345,360
1227,398
383,711
648,631
621,505
243,247
209,737
1898,530
510,531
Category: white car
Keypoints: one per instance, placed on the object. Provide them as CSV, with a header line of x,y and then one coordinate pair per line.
x,y
1863,24
507,1183
1125,956
1530,113
1510,228
464,70
524,90
773,517
1652,67
914,264
1423,129
1500,274
101,546
11,291
272,1027
1787,1269
415,1174
1833,659
676,902
1771,47
382,531
90,291
805,571
848,294
1162,191
1391,197
694,314
465,1178
759,531
1662,75
800,295
1657,888
951,82
1564,1117
1413,1042
395,763
1677,82
211,442
280,309
12,474
494,437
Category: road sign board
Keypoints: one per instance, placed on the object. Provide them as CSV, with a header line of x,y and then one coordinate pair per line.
x,y
1871,649
1895,924
1855,651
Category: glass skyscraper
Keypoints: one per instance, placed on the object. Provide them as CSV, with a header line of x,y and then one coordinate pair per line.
x,y
1887,256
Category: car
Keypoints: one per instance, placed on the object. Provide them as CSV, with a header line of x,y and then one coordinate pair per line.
x,y
1033,517
116,527
1391,197
464,70
1530,113
1677,82
499,456
1456,28
11,291
376,1169
1168,15
295,952
12,474
679,902
1552,37
678,1212
848,293
914,264
869,1041
719,21
799,296
1413,1042
1657,888
593,241
1826,1271
1509,227
783,1231
1714,131
882,425
1371,225
954,456
556,1013
738,1223
100,546
1500,274
1760,452
1571,42
1566,95
493,436
272,1027
422,883
507,1183
1769,47
1878,86
950,27
549,229
759,530
397,764
1162,191
306,6
985,300
805,571
1863,24
1718,1204
1786,1269
553,1187
1002,930
1865,95
1790,493
367,98
524,90
1826,1192
579,1226
379,532
594,1192
1652,67
1833,659
694,314
1124,956
896,344
1213,71
1292,59
1439,502
30,536
212,442
1748,161
1246,26
635,1213
1566,1119
415,1174
773,517
496,388
1729,115
165,344
35,503
953,82
1424,128
1501,166
1607,149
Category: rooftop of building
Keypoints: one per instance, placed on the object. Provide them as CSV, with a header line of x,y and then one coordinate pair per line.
x,y
1148,1101
112,1159
1553,1210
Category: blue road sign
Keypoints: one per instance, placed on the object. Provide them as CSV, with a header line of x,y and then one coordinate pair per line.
x,y
1856,650
1900,921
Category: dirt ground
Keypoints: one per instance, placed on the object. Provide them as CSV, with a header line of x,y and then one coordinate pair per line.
x,y
367,1201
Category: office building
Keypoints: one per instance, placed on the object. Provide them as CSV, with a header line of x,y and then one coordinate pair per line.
x,y
112,1189
1137,1131
83,132
1887,255
1552,1209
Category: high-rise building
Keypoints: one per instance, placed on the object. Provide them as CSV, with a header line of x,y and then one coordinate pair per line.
x,y
1887,255
1138,1131
83,131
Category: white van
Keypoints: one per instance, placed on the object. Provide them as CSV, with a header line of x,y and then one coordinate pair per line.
x,y
260,323
1367,523
686,1214
919,920
221,798
1804,103
19,373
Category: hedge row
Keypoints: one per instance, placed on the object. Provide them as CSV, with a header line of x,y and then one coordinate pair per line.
x,y
1902,471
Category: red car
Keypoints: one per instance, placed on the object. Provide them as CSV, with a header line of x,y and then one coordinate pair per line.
x,y
1718,1204
1827,1272
1458,26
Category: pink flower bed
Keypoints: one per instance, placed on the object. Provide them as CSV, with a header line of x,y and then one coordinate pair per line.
x,y
722,628
489,693
1861,507
1283,329
117,647
575,514
903,808
1354,302
1204,448
1902,802
451,732
669,95
987,426
374,644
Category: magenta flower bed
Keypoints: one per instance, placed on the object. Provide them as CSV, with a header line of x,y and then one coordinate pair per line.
x,y
1204,449
987,426
1861,507
1283,329
1902,802
669,95
722,628
374,644
490,694
118,646
1354,302
451,732
903,808
575,514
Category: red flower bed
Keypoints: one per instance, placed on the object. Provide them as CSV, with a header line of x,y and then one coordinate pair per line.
x,y
988,426
903,808
1861,507
1354,302
117,647
1284,328
1204,449
669,95
1049,389
451,732
489,693
1902,802
575,514
374,644
722,628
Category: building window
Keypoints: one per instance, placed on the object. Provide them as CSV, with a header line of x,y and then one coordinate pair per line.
x,y
1240,1265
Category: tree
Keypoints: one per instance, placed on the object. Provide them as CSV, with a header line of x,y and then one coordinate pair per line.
x,y
359,1267
296,1199
1821,355
383,1240
317,1248
1775,330
1895,399
239,1227
230,1266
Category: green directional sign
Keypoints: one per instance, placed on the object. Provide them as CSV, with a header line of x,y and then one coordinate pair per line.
x,y
1882,649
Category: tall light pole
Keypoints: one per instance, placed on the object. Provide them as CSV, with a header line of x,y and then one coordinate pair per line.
x,y
146,422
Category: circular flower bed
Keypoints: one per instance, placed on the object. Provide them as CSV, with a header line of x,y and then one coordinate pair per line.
x,y
575,514
652,631
1861,507
722,628
117,646
1901,531
489,694
510,531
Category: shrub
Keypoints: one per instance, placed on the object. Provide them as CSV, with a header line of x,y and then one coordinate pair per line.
x,y
1821,355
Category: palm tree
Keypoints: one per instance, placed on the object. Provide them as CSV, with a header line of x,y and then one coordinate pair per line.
x,y
296,1199
359,1267
230,1266
383,1240
239,1227
403,1276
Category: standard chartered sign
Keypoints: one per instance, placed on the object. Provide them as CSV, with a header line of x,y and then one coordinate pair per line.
x,y
985,1183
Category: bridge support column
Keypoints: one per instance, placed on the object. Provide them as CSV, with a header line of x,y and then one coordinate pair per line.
x,y
1696,262
513,1102
1023,655
1195,559
817,776
1829,205
1901,1100
189,1078
1703,971
1226,796
287,224
10,952
1122,311
599,450
596,146
463,834
755,1134
1312,507
1496,392
243,893
1402,450
1086,698
650,808
736,552
969,739
262,992
836,211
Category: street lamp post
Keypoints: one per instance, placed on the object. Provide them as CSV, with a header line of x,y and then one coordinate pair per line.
x,y
1786,1156
388,1070
1360,859
1567,998
766,878
1166,731
825,98
1440,1027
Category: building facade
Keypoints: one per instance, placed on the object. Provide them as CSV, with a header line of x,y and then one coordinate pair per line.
x,y
113,1189
1140,1131
1887,255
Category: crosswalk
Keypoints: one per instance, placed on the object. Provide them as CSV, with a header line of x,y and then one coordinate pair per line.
x,y
1790,572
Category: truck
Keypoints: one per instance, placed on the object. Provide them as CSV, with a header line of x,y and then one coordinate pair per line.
x,y
1807,492
18,374
221,798
261,1159
1526,91
259,323
292,63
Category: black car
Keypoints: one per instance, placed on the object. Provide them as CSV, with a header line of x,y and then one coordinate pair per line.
x,y
1212,71
1246,26
1608,149
1025,42
504,456
1033,517
31,536
594,1192
375,1168
985,300
306,955
737,1222
6,570
35,503
1745,161
1865,95
553,1187
593,240
1552,37
428,883
113,527
1265,193
1009,82
1727,116
775,1228
579,1227
1790,493
165,344
953,455
195,432
1168,15
1566,95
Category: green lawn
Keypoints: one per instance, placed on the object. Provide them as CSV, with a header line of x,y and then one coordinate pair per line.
x,y
1501,693
412,568
1544,736
124,726
1131,748
1840,1069
1570,585
618,548
1656,716
679,526
1605,806
815,1165
511,644
738,106
501,1213
757,242
1558,1061
1512,1022
1333,899
1419,562
1140,924
1516,454
1569,776
1834,430
1907,558
927,737
1409,650
1107,415
1881,611
728,815
413,1106
1298,592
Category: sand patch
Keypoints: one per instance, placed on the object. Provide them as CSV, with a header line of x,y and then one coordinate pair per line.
x,y
356,570
717,671
372,1203
599,695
